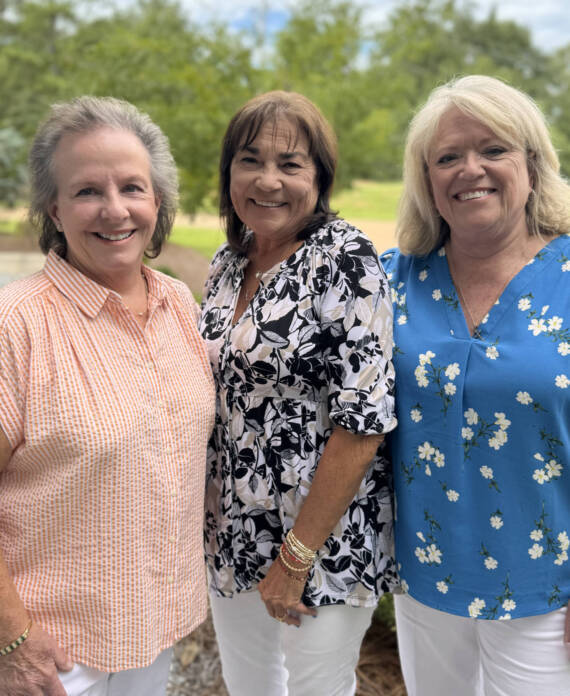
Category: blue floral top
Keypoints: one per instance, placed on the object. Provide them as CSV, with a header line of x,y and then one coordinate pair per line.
x,y
481,452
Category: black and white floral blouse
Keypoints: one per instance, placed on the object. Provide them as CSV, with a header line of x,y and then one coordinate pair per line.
x,y
312,349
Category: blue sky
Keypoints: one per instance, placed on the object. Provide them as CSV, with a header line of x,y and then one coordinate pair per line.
x,y
548,20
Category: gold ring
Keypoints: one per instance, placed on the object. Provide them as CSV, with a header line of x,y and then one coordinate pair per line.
x,y
281,618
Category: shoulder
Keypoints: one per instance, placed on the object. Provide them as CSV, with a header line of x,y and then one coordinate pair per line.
x,y
22,297
339,235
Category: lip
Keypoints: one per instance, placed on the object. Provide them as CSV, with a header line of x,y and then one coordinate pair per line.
x,y
116,236
474,194
268,204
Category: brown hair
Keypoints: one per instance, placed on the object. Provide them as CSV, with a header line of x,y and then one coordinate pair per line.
x,y
242,131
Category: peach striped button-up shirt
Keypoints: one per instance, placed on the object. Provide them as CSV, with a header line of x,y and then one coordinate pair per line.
x,y
101,503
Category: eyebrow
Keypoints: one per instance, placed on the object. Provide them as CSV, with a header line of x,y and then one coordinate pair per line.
x,y
283,155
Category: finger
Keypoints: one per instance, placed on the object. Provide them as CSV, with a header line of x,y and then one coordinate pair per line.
x,y
62,660
301,608
55,688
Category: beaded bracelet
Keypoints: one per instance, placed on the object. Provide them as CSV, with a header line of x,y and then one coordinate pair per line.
x,y
302,569
16,643
302,579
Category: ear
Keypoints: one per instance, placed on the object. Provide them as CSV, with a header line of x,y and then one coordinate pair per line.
x,y
53,213
157,202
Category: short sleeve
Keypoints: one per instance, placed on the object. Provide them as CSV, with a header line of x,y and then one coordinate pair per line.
x,y
14,369
356,324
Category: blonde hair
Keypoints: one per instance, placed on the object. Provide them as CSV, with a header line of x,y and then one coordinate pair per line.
x,y
515,118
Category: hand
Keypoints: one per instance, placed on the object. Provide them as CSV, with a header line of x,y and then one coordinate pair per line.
x,y
31,670
282,596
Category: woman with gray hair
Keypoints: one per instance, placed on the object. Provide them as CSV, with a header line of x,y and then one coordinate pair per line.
x,y
481,293
106,406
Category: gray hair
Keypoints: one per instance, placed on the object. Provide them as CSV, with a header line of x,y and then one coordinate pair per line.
x,y
82,115
514,117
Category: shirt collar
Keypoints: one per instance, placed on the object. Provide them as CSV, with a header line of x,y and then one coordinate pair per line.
x,y
88,295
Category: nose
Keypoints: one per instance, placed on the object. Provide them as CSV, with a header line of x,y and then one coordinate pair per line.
x,y
114,208
473,165
269,179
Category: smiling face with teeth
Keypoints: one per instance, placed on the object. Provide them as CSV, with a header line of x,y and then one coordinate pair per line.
x,y
480,184
105,203
273,182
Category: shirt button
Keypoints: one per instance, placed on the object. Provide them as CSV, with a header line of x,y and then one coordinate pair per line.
x,y
170,579
150,366
161,403
172,539
168,449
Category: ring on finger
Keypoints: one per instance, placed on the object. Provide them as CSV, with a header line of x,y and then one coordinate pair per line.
x,y
281,618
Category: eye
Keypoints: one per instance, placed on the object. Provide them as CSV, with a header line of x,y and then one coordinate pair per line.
x,y
87,191
447,158
291,165
248,159
132,188
495,151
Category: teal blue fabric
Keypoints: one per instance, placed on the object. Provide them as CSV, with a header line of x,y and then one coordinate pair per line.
x,y
481,452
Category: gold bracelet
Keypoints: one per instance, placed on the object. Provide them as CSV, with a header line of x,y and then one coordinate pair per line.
x,y
298,549
303,569
16,643
302,579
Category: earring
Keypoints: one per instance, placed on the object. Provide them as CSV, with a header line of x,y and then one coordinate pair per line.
x,y
58,226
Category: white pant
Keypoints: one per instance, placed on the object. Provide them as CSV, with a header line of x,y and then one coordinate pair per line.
x,y
146,681
447,655
264,657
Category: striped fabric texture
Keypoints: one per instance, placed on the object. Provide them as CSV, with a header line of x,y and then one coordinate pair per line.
x,y
101,503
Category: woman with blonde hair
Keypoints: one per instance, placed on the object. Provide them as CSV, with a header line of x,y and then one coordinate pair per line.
x,y
480,287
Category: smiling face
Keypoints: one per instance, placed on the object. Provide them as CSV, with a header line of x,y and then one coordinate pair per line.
x,y
480,184
105,202
273,182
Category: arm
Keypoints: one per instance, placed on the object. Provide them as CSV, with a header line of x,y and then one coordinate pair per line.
x,y
342,467
32,667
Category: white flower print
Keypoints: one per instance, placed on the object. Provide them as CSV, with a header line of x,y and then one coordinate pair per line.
x,y
441,251
450,389
452,370
536,535
564,348
404,585
536,551
471,416
539,456
524,304
402,319
486,317
442,586
452,495
505,617
416,415
555,323
436,294
561,558
486,472
540,476
439,458
434,554
562,381
501,421
491,563
425,358
509,605
544,309
523,397
422,275
537,326
492,353
553,469
421,554
476,607
421,537
428,470
426,450
466,433
564,541
420,375
496,521
566,266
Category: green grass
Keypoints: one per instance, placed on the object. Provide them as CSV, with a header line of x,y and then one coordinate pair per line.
x,y
368,200
8,226
204,241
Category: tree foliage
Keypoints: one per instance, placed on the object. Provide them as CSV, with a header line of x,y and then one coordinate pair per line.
x,y
192,77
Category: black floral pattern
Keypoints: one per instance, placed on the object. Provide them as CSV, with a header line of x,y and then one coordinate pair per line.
x,y
312,350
